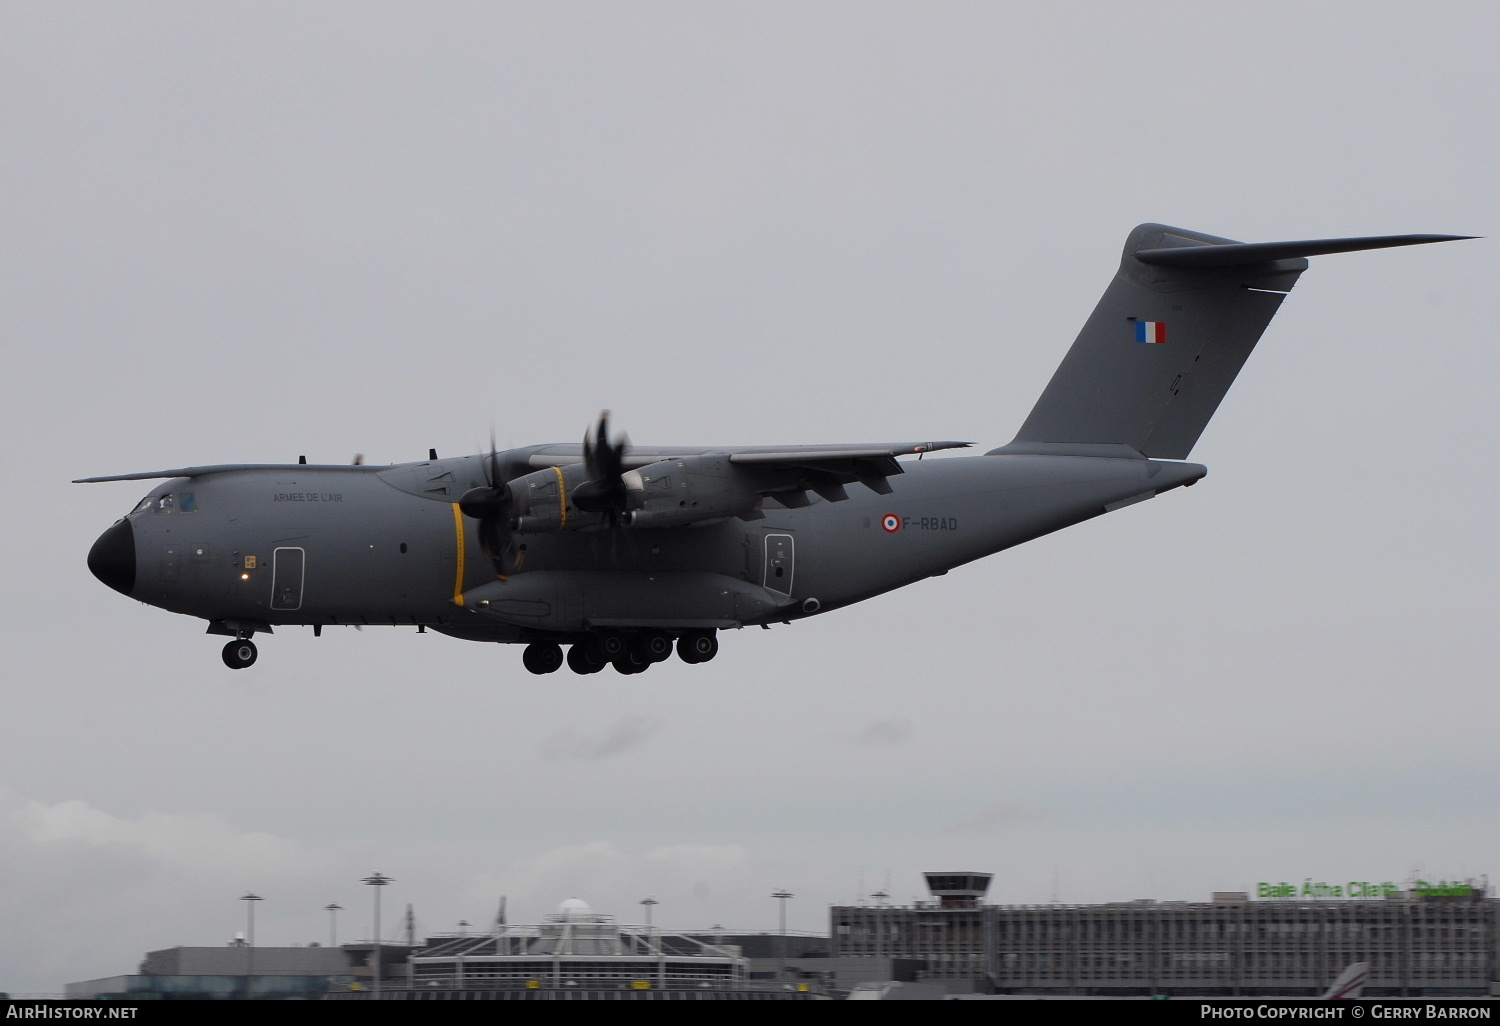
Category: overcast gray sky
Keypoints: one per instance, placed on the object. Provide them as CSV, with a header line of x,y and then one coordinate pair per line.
x,y
240,232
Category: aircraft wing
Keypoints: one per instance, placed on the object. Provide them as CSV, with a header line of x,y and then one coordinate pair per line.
x,y
822,468
228,468
795,455
785,472
826,469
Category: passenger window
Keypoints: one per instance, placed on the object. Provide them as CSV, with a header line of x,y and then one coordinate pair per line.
x,y
166,504
188,504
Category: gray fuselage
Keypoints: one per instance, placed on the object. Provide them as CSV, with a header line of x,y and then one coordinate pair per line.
x,y
255,548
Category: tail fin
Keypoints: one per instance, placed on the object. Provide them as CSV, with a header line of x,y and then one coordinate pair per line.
x,y
1350,984
1167,339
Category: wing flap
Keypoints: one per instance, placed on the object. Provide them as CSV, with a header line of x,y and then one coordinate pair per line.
x,y
823,453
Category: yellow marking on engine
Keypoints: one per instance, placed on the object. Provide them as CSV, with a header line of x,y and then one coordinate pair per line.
x,y
562,498
458,583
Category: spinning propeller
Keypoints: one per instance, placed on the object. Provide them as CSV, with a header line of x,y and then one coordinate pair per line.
x,y
604,491
490,504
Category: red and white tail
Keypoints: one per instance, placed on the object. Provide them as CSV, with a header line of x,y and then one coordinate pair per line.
x,y
1350,984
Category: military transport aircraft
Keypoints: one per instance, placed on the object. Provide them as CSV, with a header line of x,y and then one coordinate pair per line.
x,y
618,552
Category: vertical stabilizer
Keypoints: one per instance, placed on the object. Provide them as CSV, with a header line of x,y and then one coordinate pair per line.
x,y
1167,339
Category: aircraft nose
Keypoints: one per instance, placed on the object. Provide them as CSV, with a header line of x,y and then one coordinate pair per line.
x,y
112,559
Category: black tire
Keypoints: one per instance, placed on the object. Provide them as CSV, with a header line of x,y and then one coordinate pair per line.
x,y
584,657
542,657
240,654
697,646
630,663
652,646
612,645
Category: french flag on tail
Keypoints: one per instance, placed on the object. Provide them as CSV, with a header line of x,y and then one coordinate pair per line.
x,y
1151,331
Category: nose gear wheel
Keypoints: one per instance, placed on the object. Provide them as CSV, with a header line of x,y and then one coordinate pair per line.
x,y
239,654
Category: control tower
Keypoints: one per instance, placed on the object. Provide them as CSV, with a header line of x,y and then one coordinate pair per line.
x,y
958,890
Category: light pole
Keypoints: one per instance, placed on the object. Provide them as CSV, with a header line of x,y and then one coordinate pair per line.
x,y
249,899
782,895
377,881
333,909
648,902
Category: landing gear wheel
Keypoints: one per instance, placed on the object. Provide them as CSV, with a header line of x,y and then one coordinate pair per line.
x,y
613,645
652,646
697,646
584,657
239,654
630,663
542,657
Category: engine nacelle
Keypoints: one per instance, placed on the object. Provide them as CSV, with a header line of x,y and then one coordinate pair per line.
x,y
685,490
541,502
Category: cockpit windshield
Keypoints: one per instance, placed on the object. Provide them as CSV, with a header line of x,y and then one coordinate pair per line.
x,y
166,502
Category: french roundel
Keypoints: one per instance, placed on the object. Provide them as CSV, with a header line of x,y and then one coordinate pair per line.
x,y
891,523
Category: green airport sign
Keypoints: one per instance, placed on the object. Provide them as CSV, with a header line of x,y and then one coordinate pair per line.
x,y
1357,889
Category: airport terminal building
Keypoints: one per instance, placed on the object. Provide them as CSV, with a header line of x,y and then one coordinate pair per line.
x,y
1426,941
1286,941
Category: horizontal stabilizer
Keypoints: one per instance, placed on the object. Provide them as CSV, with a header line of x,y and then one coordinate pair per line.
x,y
1234,254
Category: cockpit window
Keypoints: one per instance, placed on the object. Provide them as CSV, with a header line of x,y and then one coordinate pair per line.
x,y
144,504
187,503
166,504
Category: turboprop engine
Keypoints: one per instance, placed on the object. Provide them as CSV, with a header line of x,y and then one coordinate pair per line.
x,y
543,501
671,493
683,491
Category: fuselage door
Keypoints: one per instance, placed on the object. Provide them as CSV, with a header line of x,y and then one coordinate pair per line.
x,y
288,568
780,561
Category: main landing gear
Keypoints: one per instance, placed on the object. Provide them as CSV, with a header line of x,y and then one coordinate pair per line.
x,y
697,646
240,654
627,652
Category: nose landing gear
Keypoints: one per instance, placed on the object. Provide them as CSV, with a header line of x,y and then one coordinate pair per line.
x,y
240,654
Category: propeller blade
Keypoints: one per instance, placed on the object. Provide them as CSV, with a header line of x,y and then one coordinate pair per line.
x,y
604,491
490,504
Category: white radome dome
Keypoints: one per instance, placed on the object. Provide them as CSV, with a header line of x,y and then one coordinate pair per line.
x,y
575,910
